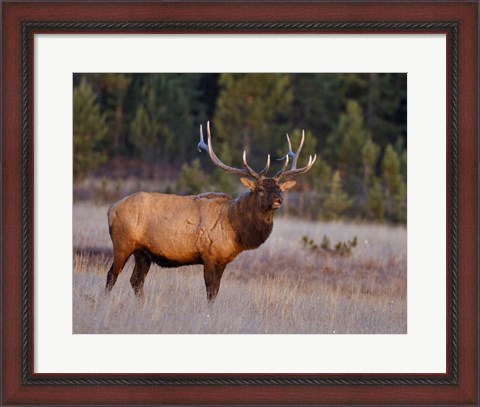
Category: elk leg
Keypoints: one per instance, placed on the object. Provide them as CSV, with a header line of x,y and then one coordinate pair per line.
x,y
142,265
212,275
119,261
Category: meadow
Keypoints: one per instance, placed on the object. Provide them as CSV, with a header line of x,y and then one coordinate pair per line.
x,y
282,287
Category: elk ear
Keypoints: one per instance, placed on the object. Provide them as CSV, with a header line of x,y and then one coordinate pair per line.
x,y
248,183
287,185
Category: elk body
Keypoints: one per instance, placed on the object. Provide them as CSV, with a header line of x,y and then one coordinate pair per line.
x,y
209,229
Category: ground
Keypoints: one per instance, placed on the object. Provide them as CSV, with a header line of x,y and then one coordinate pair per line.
x,y
281,287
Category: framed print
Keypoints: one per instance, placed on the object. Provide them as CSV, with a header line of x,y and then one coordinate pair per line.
x,y
366,290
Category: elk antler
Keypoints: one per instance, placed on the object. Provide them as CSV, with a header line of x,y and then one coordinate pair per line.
x,y
293,171
248,171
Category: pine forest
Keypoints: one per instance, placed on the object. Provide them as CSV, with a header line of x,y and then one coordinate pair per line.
x,y
140,132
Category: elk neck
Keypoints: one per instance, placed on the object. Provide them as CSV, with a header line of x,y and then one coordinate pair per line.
x,y
251,225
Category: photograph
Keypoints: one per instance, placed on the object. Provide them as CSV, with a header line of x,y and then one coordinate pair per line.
x,y
239,203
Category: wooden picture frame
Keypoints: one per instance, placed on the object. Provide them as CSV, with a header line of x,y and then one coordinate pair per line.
x,y
21,21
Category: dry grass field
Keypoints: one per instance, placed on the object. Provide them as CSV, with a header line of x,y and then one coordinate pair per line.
x,y
280,288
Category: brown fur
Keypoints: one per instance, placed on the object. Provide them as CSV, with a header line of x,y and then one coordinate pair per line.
x,y
209,229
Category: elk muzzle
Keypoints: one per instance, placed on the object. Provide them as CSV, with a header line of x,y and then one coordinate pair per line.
x,y
277,201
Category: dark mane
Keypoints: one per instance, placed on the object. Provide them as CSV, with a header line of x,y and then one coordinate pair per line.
x,y
252,226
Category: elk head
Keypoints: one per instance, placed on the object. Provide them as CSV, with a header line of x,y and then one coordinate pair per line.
x,y
266,191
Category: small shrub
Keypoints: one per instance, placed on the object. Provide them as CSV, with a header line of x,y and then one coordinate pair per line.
x,y
104,193
192,179
339,249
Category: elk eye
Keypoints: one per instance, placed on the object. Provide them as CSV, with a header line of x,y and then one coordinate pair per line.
x,y
260,190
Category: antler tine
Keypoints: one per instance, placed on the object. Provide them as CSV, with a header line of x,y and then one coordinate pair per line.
x,y
295,155
294,164
213,156
294,170
208,147
302,170
279,173
201,145
290,152
267,167
251,172
248,171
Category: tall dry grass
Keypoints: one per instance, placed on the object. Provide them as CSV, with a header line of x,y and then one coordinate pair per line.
x,y
279,288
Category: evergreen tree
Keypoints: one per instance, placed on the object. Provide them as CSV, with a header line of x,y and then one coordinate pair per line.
x,y
321,173
391,169
89,131
337,201
321,176
249,110
116,86
395,187
344,147
375,208
370,153
346,142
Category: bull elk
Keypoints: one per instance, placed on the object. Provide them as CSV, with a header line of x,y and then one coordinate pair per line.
x,y
210,228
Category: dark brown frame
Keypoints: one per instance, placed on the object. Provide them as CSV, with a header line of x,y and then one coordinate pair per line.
x,y
20,21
